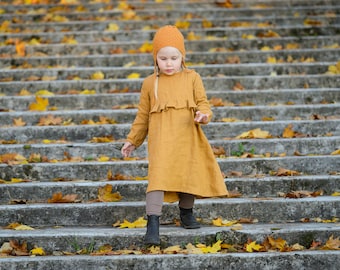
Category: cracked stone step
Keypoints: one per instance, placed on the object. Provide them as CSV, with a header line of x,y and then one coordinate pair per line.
x,y
258,187
305,165
105,214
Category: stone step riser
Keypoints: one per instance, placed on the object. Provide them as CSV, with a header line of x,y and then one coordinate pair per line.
x,y
306,165
290,147
234,45
278,260
135,190
211,83
170,235
208,12
77,26
319,55
106,214
219,32
214,131
108,101
205,71
247,113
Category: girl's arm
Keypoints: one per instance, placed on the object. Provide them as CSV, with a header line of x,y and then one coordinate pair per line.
x,y
203,114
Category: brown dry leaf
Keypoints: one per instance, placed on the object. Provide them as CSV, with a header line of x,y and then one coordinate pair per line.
x,y
105,194
59,198
224,3
105,139
312,22
332,244
12,159
286,172
238,87
275,244
18,122
303,194
218,151
19,249
216,102
268,34
50,120
234,194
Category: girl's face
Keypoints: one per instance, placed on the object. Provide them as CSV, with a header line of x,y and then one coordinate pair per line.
x,y
169,60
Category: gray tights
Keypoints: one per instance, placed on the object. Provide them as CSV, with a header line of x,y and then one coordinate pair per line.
x,y
154,202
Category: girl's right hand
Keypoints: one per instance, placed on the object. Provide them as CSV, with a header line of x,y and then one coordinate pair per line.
x,y
127,149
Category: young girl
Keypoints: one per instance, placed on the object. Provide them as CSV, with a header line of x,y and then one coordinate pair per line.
x,y
172,106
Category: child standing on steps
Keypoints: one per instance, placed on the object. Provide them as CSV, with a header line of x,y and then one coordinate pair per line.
x,y
173,104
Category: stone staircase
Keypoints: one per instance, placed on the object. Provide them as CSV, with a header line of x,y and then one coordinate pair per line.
x,y
265,65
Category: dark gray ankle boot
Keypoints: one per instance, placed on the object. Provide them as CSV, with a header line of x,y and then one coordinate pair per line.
x,y
188,221
152,231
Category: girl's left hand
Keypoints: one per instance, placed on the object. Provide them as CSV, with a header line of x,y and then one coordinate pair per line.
x,y
201,118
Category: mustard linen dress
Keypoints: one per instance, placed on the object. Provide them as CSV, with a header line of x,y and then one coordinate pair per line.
x,y
180,156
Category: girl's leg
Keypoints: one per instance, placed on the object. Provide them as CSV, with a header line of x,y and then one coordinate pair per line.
x,y
186,203
154,203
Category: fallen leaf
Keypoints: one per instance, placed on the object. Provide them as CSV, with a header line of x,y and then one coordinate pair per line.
x,y
59,198
105,194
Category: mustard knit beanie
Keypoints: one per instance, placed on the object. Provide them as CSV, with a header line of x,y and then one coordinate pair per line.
x,y
168,35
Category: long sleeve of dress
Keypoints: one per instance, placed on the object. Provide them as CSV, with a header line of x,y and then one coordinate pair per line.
x,y
139,128
201,97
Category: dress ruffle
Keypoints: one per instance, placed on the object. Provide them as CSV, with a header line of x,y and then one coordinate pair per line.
x,y
176,104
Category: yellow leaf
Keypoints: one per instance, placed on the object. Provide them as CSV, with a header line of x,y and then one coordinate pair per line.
x,y
288,132
37,251
139,223
336,152
22,227
134,75
40,104
44,93
98,75
212,249
182,24
88,92
337,193
271,60
20,48
255,134
103,158
251,247
146,47
24,92
105,194
112,27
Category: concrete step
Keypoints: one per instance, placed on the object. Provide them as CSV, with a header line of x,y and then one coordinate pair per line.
x,y
265,210
215,130
91,151
235,44
63,239
217,83
267,97
218,32
98,170
248,187
252,69
109,60
244,113
289,260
